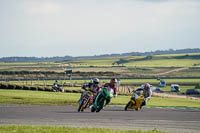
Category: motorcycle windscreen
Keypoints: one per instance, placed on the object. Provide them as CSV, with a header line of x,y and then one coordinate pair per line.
x,y
135,96
110,91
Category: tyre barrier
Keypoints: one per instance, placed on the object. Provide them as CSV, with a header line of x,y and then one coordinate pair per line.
x,y
32,88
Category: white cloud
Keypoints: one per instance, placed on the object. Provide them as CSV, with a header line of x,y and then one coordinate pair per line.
x,y
41,7
129,24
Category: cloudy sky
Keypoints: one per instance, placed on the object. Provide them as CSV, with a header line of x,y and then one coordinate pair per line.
x,y
92,27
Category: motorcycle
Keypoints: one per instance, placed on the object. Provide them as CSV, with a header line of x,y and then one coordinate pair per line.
x,y
57,89
105,94
135,101
85,101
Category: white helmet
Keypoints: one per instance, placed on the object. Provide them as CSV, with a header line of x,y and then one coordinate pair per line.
x,y
95,80
147,86
113,80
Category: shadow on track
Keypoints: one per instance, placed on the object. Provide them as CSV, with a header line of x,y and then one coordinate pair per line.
x,y
70,112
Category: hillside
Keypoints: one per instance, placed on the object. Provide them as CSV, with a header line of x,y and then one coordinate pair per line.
x,y
171,60
172,65
69,58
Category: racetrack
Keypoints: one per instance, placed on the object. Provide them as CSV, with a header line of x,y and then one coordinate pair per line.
x,y
174,120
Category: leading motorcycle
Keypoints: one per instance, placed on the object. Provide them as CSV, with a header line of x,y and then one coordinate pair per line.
x,y
105,95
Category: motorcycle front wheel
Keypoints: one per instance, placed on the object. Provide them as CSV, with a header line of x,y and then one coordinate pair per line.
x,y
93,109
128,105
81,106
100,106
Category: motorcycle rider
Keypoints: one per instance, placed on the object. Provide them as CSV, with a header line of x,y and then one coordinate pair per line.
x,y
93,88
147,92
55,86
112,85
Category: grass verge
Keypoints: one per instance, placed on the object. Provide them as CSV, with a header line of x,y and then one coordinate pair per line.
x,y
56,98
54,129
38,97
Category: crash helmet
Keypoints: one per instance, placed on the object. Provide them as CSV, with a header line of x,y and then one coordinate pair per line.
x,y
95,81
113,81
147,86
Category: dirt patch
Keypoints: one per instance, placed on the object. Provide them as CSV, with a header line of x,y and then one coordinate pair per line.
x,y
167,72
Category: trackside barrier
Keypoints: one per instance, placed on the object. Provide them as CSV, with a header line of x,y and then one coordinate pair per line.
x,y
32,88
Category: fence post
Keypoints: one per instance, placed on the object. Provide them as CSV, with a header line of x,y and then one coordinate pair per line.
x,y
129,90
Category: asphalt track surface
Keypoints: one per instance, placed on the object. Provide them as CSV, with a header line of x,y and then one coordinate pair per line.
x,y
173,120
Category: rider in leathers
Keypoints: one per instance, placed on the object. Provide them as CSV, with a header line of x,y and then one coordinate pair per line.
x,y
112,85
93,88
146,92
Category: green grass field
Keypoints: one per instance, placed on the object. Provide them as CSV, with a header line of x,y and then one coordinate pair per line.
x,y
134,66
52,98
122,81
165,63
57,129
95,62
173,60
135,83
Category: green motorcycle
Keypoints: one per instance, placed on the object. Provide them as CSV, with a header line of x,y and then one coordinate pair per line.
x,y
105,95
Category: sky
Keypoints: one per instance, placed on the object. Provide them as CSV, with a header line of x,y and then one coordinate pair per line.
x,y
46,28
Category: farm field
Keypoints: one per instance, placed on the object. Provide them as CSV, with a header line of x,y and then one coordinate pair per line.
x,y
131,71
165,63
156,61
87,72
173,60
123,88
122,81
